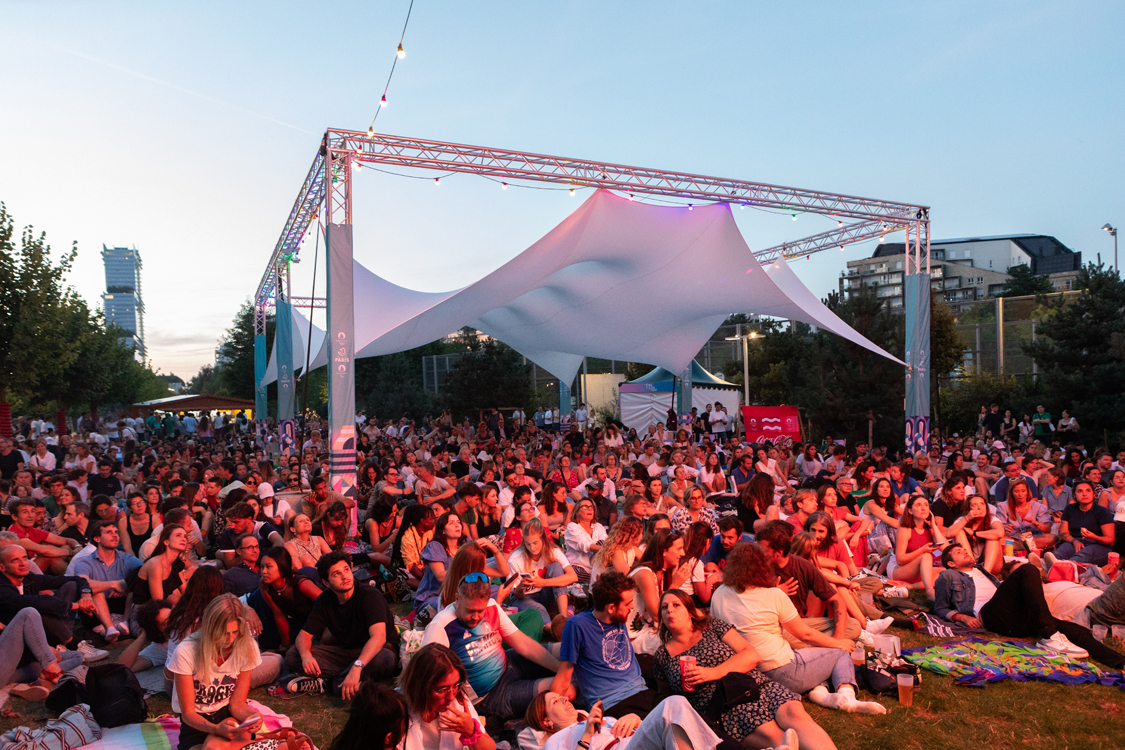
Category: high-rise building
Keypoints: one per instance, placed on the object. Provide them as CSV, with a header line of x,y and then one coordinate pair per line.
x,y
124,306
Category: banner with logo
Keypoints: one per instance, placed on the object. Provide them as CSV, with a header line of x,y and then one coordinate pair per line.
x,y
778,424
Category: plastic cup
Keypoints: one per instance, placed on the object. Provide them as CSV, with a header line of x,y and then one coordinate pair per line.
x,y
686,663
1099,632
905,689
1114,558
1009,547
859,655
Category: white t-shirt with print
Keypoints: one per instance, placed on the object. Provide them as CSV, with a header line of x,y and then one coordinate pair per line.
x,y
519,563
216,694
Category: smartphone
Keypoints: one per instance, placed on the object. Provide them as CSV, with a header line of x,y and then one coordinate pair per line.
x,y
512,579
253,721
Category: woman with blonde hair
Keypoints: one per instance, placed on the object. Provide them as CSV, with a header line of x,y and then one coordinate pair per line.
x,y
212,678
619,550
545,573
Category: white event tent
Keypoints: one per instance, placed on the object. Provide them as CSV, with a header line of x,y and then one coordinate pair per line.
x,y
617,279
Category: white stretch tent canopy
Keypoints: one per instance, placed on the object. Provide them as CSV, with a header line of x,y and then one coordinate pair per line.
x,y
646,400
617,279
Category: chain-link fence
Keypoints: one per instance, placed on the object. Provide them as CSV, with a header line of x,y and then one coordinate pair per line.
x,y
995,332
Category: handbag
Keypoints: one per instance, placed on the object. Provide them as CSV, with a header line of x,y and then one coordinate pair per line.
x,y
293,739
732,690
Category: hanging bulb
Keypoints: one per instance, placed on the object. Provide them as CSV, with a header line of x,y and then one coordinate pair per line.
x,y
630,196
883,238
839,223
357,165
841,248
371,131
503,186
401,52
690,207
437,181
383,101
743,207
572,191
794,217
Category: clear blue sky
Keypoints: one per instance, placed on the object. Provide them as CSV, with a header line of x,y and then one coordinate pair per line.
x,y
185,129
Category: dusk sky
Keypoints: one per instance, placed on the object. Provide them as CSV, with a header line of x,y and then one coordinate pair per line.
x,y
185,129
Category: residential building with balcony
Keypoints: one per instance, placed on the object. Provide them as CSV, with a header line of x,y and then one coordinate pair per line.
x,y
964,270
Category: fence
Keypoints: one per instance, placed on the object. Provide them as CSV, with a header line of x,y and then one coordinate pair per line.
x,y
994,332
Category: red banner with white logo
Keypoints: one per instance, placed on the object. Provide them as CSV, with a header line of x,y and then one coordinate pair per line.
x,y
778,424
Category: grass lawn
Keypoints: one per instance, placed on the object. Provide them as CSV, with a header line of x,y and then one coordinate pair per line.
x,y
1003,715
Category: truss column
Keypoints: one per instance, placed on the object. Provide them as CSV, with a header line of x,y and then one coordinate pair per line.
x,y
916,288
341,324
260,360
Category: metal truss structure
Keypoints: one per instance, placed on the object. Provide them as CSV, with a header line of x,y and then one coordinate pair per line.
x,y
342,148
328,185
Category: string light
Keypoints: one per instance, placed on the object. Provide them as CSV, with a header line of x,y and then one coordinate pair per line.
x,y
572,191
371,132
794,217
841,248
503,186
383,101
630,196
690,207
437,181
839,223
401,52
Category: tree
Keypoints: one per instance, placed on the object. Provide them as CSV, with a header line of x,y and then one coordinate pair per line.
x,y
495,375
1024,282
838,384
1083,369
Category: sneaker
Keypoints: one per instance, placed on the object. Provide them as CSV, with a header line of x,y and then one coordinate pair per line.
x,y
305,685
1049,560
89,653
896,592
1060,644
866,638
877,627
119,622
789,741
111,635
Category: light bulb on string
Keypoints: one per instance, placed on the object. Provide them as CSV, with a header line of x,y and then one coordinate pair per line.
x,y
690,207
630,196
794,217
371,132
839,223
503,186
572,191
383,101
883,238
357,165
437,181
401,52
841,248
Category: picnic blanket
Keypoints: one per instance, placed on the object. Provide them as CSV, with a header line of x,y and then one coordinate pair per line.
x,y
976,662
163,733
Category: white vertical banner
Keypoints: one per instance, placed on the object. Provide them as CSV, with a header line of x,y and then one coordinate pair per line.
x,y
341,360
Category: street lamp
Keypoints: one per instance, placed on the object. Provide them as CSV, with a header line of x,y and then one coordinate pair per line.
x,y
1113,233
745,339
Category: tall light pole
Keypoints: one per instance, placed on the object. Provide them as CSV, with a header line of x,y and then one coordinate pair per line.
x,y
745,339
1113,233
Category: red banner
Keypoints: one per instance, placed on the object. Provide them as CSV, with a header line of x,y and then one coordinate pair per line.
x,y
778,424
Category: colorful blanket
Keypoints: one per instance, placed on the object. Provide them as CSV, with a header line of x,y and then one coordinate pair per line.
x,y
163,733
976,662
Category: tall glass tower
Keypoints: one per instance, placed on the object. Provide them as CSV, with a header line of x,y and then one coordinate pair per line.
x,y
124,306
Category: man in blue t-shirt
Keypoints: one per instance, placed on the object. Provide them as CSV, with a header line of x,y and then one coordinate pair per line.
x,y
475,628
597,656
901,484
730,534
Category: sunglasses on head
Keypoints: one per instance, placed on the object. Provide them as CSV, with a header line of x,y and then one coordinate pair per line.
x,y
475,578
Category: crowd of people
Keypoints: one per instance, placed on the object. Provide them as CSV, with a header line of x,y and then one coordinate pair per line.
x,y
676,588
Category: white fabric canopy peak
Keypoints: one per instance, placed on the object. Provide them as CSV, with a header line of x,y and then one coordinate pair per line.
x,y
617,279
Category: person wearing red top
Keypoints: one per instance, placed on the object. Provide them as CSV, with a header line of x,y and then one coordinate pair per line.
x,y
52,551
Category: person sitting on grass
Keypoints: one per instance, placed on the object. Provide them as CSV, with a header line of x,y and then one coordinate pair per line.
x,y
720,651
441,715
915,541
212,679
373,706
760,611
1086,529
365,640
473,627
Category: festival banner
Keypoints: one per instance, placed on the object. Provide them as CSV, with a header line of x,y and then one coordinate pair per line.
x,y
777,424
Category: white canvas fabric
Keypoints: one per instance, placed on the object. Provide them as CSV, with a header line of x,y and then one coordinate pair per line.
x,y
617,279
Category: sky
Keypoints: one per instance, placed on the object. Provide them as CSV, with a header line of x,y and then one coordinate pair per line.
x,y
185,129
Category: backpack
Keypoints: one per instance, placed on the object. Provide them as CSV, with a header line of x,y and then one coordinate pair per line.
x,y
116,698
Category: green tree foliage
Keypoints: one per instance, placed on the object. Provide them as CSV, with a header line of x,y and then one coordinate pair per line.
x,y
1079,362
838,383
1024,282
54,351
494,375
